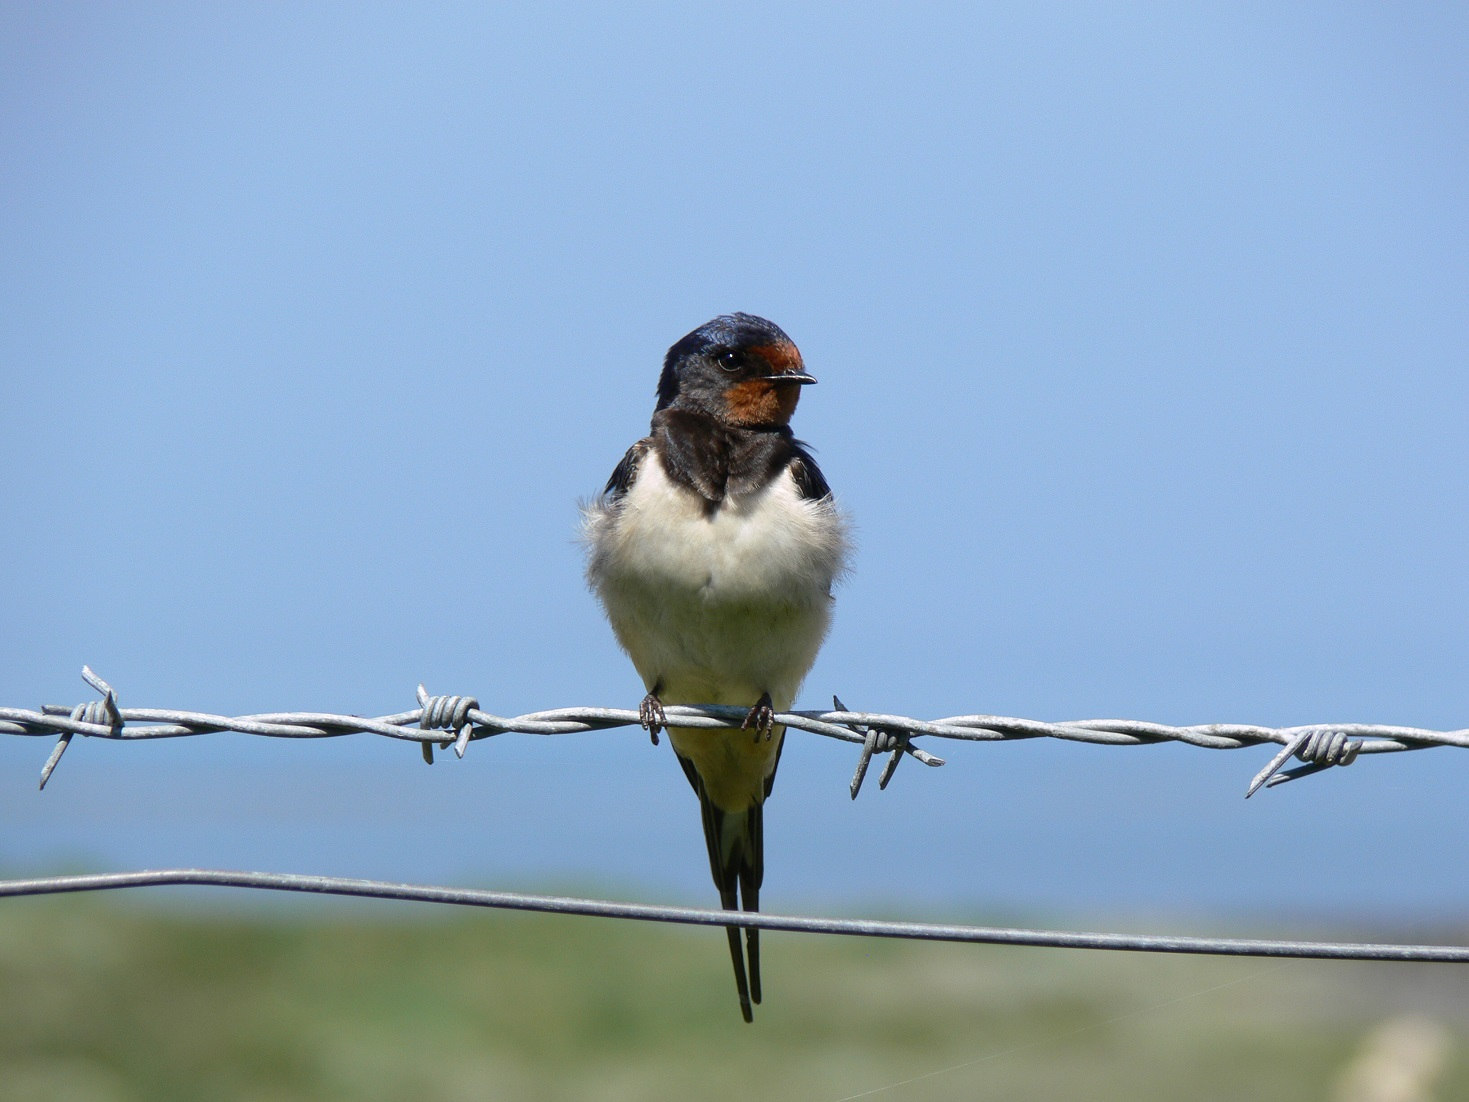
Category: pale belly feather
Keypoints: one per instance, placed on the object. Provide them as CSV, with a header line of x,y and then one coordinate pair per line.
x,y
718,608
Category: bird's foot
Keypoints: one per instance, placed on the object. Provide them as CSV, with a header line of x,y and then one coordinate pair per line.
x,y
650,715
761,718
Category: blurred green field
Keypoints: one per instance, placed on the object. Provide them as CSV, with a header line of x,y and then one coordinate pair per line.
x,y
111,998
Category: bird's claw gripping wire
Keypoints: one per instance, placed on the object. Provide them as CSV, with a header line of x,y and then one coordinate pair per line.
x,y
102,712
761,718
446,713
1319,747
651,716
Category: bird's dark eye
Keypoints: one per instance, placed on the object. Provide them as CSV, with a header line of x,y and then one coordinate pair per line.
x,y
730,361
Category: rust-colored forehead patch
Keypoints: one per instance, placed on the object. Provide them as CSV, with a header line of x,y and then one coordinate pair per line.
x,y
783,357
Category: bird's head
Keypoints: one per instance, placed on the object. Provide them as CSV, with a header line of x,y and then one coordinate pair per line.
x,y
737,368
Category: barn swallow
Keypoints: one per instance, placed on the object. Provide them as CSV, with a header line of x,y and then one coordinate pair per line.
x,y
713,548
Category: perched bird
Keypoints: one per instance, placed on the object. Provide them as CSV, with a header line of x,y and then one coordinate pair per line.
x,y
713,549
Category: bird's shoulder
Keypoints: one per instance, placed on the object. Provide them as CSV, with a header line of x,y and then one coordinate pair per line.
x,y
809,479
626,471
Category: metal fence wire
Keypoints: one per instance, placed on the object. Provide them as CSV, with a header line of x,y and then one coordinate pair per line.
x,y
696,916
457,721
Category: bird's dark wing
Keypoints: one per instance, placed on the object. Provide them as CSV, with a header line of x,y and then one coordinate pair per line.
x,y
770,780
808,476
626,471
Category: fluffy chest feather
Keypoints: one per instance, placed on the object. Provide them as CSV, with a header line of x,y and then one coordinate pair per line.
x,y
716,606
768,547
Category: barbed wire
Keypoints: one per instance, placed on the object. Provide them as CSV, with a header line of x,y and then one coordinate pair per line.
x,y
456,721
695,916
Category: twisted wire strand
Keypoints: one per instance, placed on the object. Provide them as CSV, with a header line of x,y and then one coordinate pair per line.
x,y
458,720
648,912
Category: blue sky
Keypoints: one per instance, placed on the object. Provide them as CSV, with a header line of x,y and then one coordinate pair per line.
x,y
1141,332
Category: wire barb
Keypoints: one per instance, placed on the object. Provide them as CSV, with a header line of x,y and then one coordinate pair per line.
x,y
1319,747
876,740
446,713
102,712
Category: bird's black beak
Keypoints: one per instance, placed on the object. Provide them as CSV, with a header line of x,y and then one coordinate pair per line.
x,y
789,377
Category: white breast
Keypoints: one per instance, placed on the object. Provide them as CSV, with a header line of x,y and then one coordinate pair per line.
x,y
717,607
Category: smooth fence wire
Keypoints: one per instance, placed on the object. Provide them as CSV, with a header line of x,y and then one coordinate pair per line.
x,y
694,916
456,721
